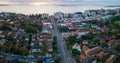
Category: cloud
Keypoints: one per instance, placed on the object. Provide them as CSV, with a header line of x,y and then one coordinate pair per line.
x,y
78,2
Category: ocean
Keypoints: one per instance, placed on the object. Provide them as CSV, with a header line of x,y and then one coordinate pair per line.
x,y
28,9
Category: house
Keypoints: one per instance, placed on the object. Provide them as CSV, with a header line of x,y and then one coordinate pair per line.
x,y
35,46
87,13
66,15
49,46
101,55
9,43
92,51
85,48
113,42
46,31
76,46
17,44
71,26
45,15
9,33
2,34
77,14
111,59
58,15
46,22
2,22
82,58
45,36
2,41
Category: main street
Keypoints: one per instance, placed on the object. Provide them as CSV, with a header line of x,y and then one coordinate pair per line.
x,y
63,51
24,58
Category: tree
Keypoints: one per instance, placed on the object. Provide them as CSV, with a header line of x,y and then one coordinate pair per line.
x,y
103,43
87,36
39,27
5,27
57,60
13,50
54,44
23,51
72,39
55,38
115,31
43,49
30,29
3,47
77,58
95,39
75,52
116,48
10,38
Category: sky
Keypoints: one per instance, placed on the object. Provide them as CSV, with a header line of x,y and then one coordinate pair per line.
x,y
62,2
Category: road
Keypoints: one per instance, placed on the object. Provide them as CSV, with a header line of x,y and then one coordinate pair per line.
x,y
63,51
23,58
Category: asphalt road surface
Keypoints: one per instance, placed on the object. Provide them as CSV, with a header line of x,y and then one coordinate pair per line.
x,y
63,51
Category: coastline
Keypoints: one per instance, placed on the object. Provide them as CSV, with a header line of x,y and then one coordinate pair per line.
x,y
113,6
49,9
3,5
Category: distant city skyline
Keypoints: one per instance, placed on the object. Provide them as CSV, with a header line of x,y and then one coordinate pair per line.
x,y
61,2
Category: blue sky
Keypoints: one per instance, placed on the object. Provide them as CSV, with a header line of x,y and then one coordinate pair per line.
x,y
78,2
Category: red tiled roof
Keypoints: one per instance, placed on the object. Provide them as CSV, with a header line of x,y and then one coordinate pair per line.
x,y
9,33
92,51
76,32
46,21
84,30
101,54
111,59
71,26
17,45
114,42
111,42
82,58
85,48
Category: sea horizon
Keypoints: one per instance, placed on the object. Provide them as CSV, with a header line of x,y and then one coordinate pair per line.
x,y
51,9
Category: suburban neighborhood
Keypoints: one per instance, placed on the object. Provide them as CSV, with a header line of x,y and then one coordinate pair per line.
x,y
92,36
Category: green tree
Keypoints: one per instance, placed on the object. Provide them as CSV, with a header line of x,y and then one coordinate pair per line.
x,y
57,59
103,43
12,50
43,49
30,29
72,39
95,39
115,31
75,52
23,51
3,47
5,27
